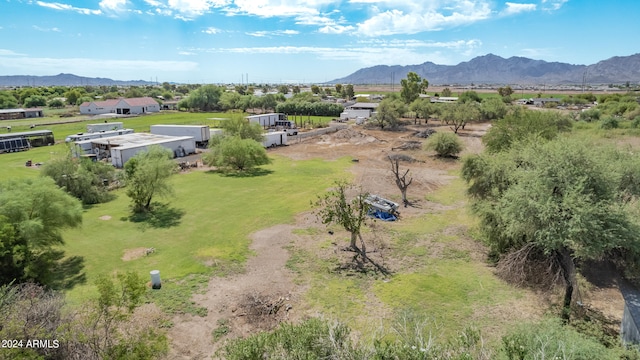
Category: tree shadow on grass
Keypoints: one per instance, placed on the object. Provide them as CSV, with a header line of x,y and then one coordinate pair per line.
x,y
255,172
68,273
161,216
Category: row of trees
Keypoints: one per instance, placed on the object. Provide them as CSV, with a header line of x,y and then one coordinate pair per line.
x,y
467,110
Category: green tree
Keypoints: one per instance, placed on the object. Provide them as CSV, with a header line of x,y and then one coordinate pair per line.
x,y
33,213
242,128
283,89
422,108
493,108
334,208
72,96
543,206
523,123
133,92
81,178
269,101
233,152
389,112
349,91
446,92
445,144
315,89
469,96
56,103
412,87
338,88
7,100
460,114
35,101
506,91
147,176
205,98
167,95
229,101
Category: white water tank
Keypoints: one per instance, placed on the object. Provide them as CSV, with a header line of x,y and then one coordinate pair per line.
x,y
155,279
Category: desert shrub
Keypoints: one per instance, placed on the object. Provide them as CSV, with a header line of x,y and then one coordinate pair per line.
x,y
609,122
590,115
313,339
444,144
636,122
549,339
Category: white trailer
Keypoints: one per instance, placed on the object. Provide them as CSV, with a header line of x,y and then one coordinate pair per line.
x,y
201,133
106,126
97,135
355,113
275,138
277,121
267,120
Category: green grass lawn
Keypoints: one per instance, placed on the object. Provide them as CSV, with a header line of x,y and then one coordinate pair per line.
x,y
205,224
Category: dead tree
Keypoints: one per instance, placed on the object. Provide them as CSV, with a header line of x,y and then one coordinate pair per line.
x,y
401,181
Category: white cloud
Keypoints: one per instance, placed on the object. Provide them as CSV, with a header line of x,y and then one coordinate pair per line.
x,y
553,5
267,8
335,29
89,66
368,52
194,8
212,31
272,33
54,29
113,5
186,53
66,7
516,8
5,52
429,17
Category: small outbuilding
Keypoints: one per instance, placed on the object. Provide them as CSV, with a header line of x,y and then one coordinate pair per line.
x,y
122,106
359,110
12,114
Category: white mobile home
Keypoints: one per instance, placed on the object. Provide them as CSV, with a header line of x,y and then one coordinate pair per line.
x,y
122,148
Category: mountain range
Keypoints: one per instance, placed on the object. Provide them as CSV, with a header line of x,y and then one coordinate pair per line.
x,y
65,80
486,69
493,69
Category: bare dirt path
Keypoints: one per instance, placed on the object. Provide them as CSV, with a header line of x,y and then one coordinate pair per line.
x,y
234,300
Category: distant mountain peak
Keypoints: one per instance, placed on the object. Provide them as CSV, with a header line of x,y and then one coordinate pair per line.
x,y
494,69
64,79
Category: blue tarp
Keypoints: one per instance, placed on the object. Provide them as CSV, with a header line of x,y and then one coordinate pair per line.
x,y
382,215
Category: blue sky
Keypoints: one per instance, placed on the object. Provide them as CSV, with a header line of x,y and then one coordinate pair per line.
x,y
302,41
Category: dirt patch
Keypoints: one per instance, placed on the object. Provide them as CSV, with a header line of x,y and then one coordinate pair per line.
x,y
105,217
258,299
135,253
